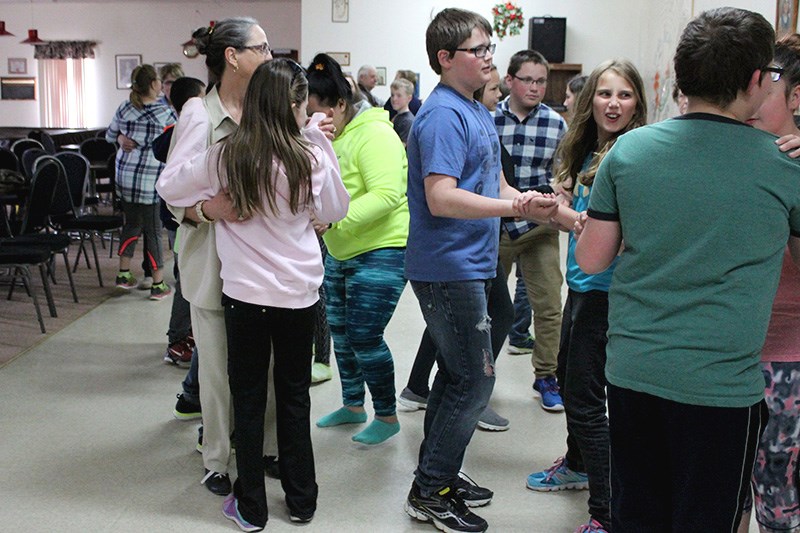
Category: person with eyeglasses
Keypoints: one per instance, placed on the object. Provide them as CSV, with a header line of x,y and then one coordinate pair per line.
x,y
530,132
456,195
234,48
706,205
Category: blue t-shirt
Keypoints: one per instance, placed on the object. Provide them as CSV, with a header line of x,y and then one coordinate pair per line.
x,y
453,136
577,279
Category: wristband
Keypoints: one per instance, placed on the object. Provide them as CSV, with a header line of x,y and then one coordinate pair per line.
x,y
198,209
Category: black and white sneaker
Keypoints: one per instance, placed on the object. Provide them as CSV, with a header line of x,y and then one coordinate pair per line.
x,y
445,509
470,492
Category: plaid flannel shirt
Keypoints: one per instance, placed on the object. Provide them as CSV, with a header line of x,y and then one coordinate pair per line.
x,y
138,169
532,144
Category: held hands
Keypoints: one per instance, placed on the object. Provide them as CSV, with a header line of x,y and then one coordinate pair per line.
x,y
220,207
126,143
789,142
535,205
580,223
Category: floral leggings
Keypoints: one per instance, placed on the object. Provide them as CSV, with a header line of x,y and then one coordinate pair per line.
x,y
776,484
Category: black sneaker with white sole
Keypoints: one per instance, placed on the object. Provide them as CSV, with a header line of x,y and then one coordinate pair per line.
x,y
445,509
470,492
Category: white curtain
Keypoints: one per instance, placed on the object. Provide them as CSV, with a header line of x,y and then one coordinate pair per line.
x,y
62,93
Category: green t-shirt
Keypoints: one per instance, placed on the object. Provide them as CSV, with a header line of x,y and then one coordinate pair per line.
x,y
706,205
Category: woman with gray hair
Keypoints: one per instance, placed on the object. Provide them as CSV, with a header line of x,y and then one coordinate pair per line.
x,y
234,48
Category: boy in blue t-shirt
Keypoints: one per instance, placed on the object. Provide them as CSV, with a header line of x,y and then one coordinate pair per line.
x,y
455,197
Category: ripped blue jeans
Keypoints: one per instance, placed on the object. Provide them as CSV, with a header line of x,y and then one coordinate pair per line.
x,y
457,319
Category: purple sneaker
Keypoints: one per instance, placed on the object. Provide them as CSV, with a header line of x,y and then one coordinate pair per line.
x,y
592,527
230,508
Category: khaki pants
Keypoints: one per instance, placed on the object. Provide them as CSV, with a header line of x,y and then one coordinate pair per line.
x,y
208,327
539,258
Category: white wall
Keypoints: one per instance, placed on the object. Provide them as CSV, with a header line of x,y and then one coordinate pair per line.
x,y
381,34
152,29
644,31
378,32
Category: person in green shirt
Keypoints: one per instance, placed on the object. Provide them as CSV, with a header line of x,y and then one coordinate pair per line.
x,y
366,250
705,205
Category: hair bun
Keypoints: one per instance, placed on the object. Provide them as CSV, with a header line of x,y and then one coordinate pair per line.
x,y
202,38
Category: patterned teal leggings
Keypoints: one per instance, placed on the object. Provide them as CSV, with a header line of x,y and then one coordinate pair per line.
x,y
362,296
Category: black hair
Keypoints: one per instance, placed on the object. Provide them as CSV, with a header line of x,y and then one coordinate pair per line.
x,y
183,89
327,82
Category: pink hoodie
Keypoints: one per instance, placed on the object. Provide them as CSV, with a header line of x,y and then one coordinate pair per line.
x,y
271,260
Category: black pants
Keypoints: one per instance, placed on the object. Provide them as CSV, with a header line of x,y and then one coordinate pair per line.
x,y
251,329
501,311
677,467
581,376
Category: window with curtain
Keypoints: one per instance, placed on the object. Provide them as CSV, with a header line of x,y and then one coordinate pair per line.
x,y
63,67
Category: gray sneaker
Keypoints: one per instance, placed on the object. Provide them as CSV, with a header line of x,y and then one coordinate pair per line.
x,y
408,401
491,421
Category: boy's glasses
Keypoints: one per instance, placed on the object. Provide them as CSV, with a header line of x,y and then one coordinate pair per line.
x,y
775,73
262,48
527,82
479,51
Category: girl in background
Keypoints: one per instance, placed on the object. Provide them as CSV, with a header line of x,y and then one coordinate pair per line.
x,y
138,122
611,103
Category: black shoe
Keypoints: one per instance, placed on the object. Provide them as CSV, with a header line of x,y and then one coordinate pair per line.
x,y
470,492
199,446
186,410
445,508
219,484
301,518
271,467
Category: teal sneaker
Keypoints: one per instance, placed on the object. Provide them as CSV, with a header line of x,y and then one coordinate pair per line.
x,y
558,477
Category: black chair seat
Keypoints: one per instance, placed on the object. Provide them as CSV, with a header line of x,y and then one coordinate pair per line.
x,y
92,223
30,255
53,241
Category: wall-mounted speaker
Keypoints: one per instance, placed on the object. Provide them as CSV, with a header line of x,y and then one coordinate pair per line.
x,y
548,35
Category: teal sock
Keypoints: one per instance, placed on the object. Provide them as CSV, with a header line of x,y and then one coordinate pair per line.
x,y
342,416
377,432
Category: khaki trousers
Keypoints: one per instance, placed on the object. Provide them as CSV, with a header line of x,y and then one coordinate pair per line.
x,y
539,259
208,328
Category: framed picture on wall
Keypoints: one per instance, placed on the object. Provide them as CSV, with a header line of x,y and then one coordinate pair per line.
x,y
340,10
343,58
17,65
381,72
786,17
125,65
18,88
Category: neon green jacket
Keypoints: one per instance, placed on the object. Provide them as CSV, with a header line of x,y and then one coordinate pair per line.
x,y
374,170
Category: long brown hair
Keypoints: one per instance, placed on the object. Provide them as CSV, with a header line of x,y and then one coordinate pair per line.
x,y
269,131
581,137
142,79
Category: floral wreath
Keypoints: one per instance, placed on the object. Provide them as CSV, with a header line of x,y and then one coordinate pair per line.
x,y
508,20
